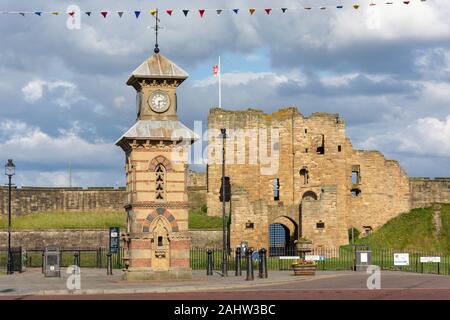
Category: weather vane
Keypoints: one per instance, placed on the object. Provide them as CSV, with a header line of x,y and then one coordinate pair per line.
x,y
156,28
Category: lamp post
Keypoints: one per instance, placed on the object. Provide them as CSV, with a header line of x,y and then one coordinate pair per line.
x,y
10,169
224,217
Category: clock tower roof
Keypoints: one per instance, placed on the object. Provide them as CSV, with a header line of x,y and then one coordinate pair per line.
x,y
157,67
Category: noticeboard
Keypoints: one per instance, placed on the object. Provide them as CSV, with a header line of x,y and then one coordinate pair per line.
x,y
114,240
401,259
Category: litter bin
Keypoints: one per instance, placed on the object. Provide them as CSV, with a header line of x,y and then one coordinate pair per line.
x,y
52,265
16,259
363,258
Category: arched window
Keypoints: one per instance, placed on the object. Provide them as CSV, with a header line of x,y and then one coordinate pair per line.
x,y
160,182
305,175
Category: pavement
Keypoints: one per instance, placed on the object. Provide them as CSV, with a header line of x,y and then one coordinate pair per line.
x,y
95,284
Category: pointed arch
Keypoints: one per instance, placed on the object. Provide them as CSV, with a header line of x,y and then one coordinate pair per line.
x,y
163,213
160,160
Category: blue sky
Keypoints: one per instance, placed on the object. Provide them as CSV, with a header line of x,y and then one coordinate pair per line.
x,y
63,98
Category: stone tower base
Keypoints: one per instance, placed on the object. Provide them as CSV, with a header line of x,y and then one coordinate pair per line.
x,y
174,274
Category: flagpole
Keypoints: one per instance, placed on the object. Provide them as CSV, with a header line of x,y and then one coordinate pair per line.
x,y
220,84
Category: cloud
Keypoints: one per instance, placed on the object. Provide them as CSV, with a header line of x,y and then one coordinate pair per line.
x,y
63,93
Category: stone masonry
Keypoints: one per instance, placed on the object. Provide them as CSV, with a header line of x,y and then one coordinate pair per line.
x,y
324,185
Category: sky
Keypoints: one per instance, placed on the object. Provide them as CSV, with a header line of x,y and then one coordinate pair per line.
x,y
64,101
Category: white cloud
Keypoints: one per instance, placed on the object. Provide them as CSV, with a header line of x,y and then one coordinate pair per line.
x,y
33,91
31,144
64,93
120,102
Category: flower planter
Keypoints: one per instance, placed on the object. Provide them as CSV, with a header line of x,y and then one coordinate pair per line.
x,y
304,269
303,246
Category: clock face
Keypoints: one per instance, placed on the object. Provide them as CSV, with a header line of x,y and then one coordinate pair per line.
x,y
159,101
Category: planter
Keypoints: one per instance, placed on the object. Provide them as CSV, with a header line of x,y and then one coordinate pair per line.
x,y
304,269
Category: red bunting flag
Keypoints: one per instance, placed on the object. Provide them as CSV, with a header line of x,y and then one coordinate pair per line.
x,y
201,12
268,10
71,13
215,69
406,2
169,12
104,13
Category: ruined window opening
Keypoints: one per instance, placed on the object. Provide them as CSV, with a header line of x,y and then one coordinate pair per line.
x,y
160,241
320,225
305,175
276,189
160,182
276,146
367,230
306,130
306,150
321,145
356,175
355,192
249,225
207,178
339,148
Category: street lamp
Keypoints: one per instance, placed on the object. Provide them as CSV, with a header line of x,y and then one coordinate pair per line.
x,y
224,217
10,170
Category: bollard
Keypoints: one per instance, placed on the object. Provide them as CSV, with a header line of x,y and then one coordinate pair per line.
x,y
43,262
238,262
109,266
263,263
250,275
209,266
75,259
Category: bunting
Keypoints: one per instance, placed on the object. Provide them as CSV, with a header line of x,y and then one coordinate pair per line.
x,y
202,12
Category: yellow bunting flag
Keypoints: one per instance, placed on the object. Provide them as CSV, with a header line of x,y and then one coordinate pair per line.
x,y
356,6
153,12
252,10
55,13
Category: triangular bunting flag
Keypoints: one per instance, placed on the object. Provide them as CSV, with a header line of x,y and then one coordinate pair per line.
x,y
406,2
201,12
22,14
104,13
38,13
185,12
71,13
252,10
389,3
120,13
323,8
88,13
308,8
236,11
372,4
169,12
356,6
339,7
137,14
219,11
268,10
55,13
284,10
153,12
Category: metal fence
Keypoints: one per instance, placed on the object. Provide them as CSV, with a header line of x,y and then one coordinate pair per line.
x,y
330,259
86,258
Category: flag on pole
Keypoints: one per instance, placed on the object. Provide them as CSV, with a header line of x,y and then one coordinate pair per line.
x,y
216,69
217,72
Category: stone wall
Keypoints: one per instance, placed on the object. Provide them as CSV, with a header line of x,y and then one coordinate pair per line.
x,y
30,239
312,157
425,191
28,200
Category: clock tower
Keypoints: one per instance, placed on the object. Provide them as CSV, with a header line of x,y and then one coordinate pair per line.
x,y
156,242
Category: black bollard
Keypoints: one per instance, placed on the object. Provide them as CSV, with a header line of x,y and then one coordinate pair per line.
x,y
262,263
75,259
238,262
43,262
109,266
209,266
250,275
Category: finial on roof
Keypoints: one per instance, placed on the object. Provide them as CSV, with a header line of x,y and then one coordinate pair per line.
x,y
156,50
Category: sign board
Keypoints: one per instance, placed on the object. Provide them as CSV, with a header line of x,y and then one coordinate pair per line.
x,y
114,240
314,258
289,257
363,257
430,259
401,259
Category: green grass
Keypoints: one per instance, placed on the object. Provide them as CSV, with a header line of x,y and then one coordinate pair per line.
x,y
198,219
413,231
66,220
